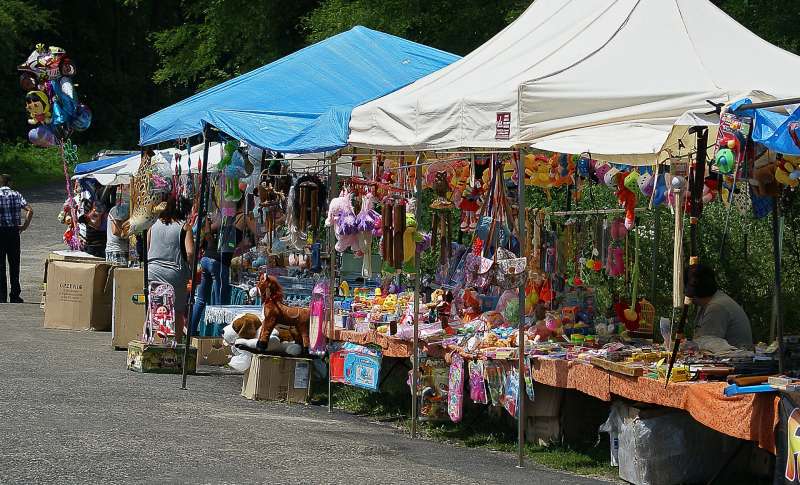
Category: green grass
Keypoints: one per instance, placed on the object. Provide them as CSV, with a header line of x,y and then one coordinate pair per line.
x,y
29,165
479,429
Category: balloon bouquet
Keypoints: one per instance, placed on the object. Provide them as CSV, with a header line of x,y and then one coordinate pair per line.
x,y
51,100
54,112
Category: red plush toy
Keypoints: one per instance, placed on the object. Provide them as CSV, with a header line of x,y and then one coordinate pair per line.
x,y
627,199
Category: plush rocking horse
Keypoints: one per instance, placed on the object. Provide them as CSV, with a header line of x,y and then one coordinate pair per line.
x,y
276,314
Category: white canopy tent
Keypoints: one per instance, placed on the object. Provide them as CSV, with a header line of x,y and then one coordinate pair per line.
x,y
121,172
613,77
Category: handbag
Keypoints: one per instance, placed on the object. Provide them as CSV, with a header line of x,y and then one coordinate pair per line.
x,y
509,270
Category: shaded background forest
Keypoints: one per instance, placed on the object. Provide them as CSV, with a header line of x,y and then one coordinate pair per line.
x,y
137,56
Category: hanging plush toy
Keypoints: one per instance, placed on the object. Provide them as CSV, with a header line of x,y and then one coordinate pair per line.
x,y
440,225
410,239
232,167
343,219
626,197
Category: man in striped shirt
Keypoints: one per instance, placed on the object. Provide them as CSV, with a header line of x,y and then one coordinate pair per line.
x,y
12,203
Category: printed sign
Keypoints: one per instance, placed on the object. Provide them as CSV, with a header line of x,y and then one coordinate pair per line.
x,y
503,126
301,372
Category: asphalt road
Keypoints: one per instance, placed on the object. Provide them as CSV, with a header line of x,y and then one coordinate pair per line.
x,y
71,413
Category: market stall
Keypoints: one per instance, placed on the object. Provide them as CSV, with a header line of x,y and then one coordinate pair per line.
x,y
258,115
550,96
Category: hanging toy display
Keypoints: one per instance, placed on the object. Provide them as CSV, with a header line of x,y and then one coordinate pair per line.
x,y
232,167
626,195
149,189
440,225
630,315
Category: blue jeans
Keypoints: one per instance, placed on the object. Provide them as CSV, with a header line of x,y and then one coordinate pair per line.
x,y
209,286
223,285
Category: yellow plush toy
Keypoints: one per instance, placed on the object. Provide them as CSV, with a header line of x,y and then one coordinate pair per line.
x,y
410,238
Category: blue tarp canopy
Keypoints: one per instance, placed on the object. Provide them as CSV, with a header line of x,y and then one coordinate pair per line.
x,y
87,167
302,102
773,129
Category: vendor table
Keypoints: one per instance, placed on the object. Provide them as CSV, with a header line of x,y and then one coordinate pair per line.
x,y
218,316
751,417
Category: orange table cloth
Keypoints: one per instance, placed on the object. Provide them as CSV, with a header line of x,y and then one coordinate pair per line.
x,y
751,417
391,347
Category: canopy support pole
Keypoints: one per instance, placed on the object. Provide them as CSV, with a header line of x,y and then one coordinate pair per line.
x,y
417,284
769,104
332,269
522,393
696,196
143,260
777,246
198,225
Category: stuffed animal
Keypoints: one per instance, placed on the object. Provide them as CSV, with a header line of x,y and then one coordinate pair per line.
x,y
243,333
784,171
410,239
627,198
276,313
345,225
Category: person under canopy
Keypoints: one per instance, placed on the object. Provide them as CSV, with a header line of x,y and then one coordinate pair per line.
x,y
718,314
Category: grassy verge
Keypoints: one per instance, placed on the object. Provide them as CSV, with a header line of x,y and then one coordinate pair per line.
x,y
479,429
30,166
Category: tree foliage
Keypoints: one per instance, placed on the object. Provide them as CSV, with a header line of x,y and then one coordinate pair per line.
x,y
220,39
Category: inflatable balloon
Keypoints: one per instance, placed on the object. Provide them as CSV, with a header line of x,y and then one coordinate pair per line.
x,y
51,100
38,106
43,136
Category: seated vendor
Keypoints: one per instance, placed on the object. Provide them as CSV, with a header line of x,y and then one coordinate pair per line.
x,y
718,315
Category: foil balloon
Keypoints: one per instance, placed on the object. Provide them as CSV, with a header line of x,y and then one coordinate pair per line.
x,y
43,136
51,99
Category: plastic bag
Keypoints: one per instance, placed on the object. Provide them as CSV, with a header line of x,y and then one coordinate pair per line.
x,y
241,359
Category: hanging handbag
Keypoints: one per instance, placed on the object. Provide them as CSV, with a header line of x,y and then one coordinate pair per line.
x,y
509,269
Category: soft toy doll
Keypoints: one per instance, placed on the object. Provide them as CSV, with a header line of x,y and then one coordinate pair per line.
x,y
627,198
343,219
410,239
243,332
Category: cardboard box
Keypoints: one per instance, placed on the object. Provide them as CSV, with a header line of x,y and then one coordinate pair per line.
x,y
275,378
159,359
78,296
211,351
127,322
65,255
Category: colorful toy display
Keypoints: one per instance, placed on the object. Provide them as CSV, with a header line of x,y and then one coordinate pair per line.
x,y
51,101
